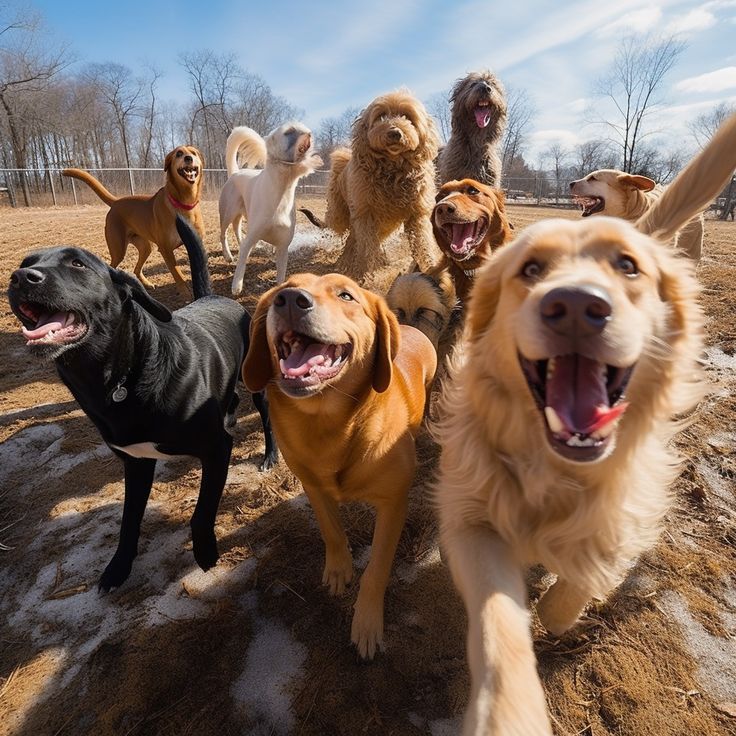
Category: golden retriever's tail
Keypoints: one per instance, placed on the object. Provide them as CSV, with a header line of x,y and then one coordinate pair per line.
x,y
250,144
92,183
695,187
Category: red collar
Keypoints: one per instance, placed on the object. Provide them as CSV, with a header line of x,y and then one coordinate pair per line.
x,y
180,205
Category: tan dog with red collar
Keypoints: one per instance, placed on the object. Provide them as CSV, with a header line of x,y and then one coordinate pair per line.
x,y
346,387
146,221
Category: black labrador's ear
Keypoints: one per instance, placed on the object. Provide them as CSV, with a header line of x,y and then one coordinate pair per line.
x,y
134,289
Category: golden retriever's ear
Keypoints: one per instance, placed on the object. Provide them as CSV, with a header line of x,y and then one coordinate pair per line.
x,y
483,300
168,159
388,338
258,365
635,181
679,288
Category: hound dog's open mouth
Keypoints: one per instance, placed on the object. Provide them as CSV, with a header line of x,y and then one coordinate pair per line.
x,y
581,400
465,237
44,325
189,172
483,113
590,205
306,364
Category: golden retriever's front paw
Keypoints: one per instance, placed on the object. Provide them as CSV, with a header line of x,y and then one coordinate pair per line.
x,y
367,629
559,608
338,573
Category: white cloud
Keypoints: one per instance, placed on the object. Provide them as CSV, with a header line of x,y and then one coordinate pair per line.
x,y
698,19
638,21
716,81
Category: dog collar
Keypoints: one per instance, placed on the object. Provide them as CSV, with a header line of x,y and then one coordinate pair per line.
x,y
180,205
120,393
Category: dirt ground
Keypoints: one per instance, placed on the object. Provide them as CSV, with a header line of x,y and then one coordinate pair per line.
x,y
256,646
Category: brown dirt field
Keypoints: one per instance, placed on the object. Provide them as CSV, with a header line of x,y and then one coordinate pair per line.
x,y
255,646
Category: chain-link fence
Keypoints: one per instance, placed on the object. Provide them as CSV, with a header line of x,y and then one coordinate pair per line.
x,y
47,187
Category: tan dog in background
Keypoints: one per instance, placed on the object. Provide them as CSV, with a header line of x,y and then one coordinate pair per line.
x,y
630,196
346,387
146,221
581,350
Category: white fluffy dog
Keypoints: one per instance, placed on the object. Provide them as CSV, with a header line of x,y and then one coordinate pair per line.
x,y
264,196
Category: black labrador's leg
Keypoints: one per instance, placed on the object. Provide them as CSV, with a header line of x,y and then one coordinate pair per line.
x,y
271,456
214,473
138,481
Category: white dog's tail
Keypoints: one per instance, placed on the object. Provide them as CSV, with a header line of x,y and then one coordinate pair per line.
x,y
695,187
251,144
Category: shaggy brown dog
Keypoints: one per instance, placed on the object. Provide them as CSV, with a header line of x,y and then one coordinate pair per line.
x,y
384,180
478,121
630,196
146,221
543,458
346,387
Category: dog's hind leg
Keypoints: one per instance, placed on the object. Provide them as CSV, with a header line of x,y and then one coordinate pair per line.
x,y
214,474
138,481
246,246
282,258
170,259
144,248
271,455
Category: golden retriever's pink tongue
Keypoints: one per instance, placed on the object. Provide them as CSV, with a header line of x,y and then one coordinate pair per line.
x,y
463,234
482,116
576,390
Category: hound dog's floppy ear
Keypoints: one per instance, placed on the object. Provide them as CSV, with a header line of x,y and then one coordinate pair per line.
x,y
167,160
388,338
258,365
130,288
636,181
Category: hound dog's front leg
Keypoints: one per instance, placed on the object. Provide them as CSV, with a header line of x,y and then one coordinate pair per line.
x,y
138,481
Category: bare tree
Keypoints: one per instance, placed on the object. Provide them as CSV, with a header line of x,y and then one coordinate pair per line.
x,y
706,124
335,131
592,155
439,106
148,117
556,154
633,85
521,111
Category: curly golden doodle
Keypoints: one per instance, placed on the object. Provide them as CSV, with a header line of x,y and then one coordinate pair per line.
x,y
629,196
384,180
581,348
478,120
346,387
146,221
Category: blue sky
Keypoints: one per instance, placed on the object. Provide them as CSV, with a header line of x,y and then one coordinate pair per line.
x,y
325,57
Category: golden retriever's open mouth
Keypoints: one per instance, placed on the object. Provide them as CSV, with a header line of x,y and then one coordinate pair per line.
x,y
465,237
483,113
581,400
590,205
190,173
307,364
44,325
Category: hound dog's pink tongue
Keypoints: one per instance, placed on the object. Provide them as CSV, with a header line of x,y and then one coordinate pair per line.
x,y
576,393
463,236
315,359
482,116
48,323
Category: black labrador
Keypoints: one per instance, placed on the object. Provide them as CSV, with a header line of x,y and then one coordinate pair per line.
x,y
155,383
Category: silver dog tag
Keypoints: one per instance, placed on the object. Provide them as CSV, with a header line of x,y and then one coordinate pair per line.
x,y
119,394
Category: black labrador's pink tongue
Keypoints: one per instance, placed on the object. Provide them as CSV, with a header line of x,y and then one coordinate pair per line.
x,y
47,323
576,393
482,116
463,234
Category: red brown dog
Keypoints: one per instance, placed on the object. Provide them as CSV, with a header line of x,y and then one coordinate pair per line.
x,y
146,221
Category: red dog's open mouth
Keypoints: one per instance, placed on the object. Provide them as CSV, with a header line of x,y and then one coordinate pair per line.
x,y
465,237
590,205
582,402
51,326
190,173
306,363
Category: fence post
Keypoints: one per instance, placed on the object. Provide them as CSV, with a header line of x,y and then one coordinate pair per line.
x,y
53,189
74,191
130,179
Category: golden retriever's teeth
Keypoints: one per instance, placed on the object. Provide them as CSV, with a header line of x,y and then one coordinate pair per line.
x,y
337,362
553,421
338,351
551,364
577,441
606,430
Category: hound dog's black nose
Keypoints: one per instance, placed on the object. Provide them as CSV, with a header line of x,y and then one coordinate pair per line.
x,y
446,208
23,276
576,310
297,299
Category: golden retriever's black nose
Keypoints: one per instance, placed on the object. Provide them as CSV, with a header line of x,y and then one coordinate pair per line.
x,y
578,310
296,300
446,208
26,276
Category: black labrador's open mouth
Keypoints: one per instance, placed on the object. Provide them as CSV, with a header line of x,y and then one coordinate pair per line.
x,y
43,325
465,237
306,363
590,205
581,400
190,173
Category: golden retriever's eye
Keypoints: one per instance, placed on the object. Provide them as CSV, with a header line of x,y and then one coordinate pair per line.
x,y
78,264
346,296
627,266
472,190
531,270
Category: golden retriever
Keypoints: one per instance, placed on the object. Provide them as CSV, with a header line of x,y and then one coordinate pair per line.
x,y
581,346
346,386
630,196
146,221
384,180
